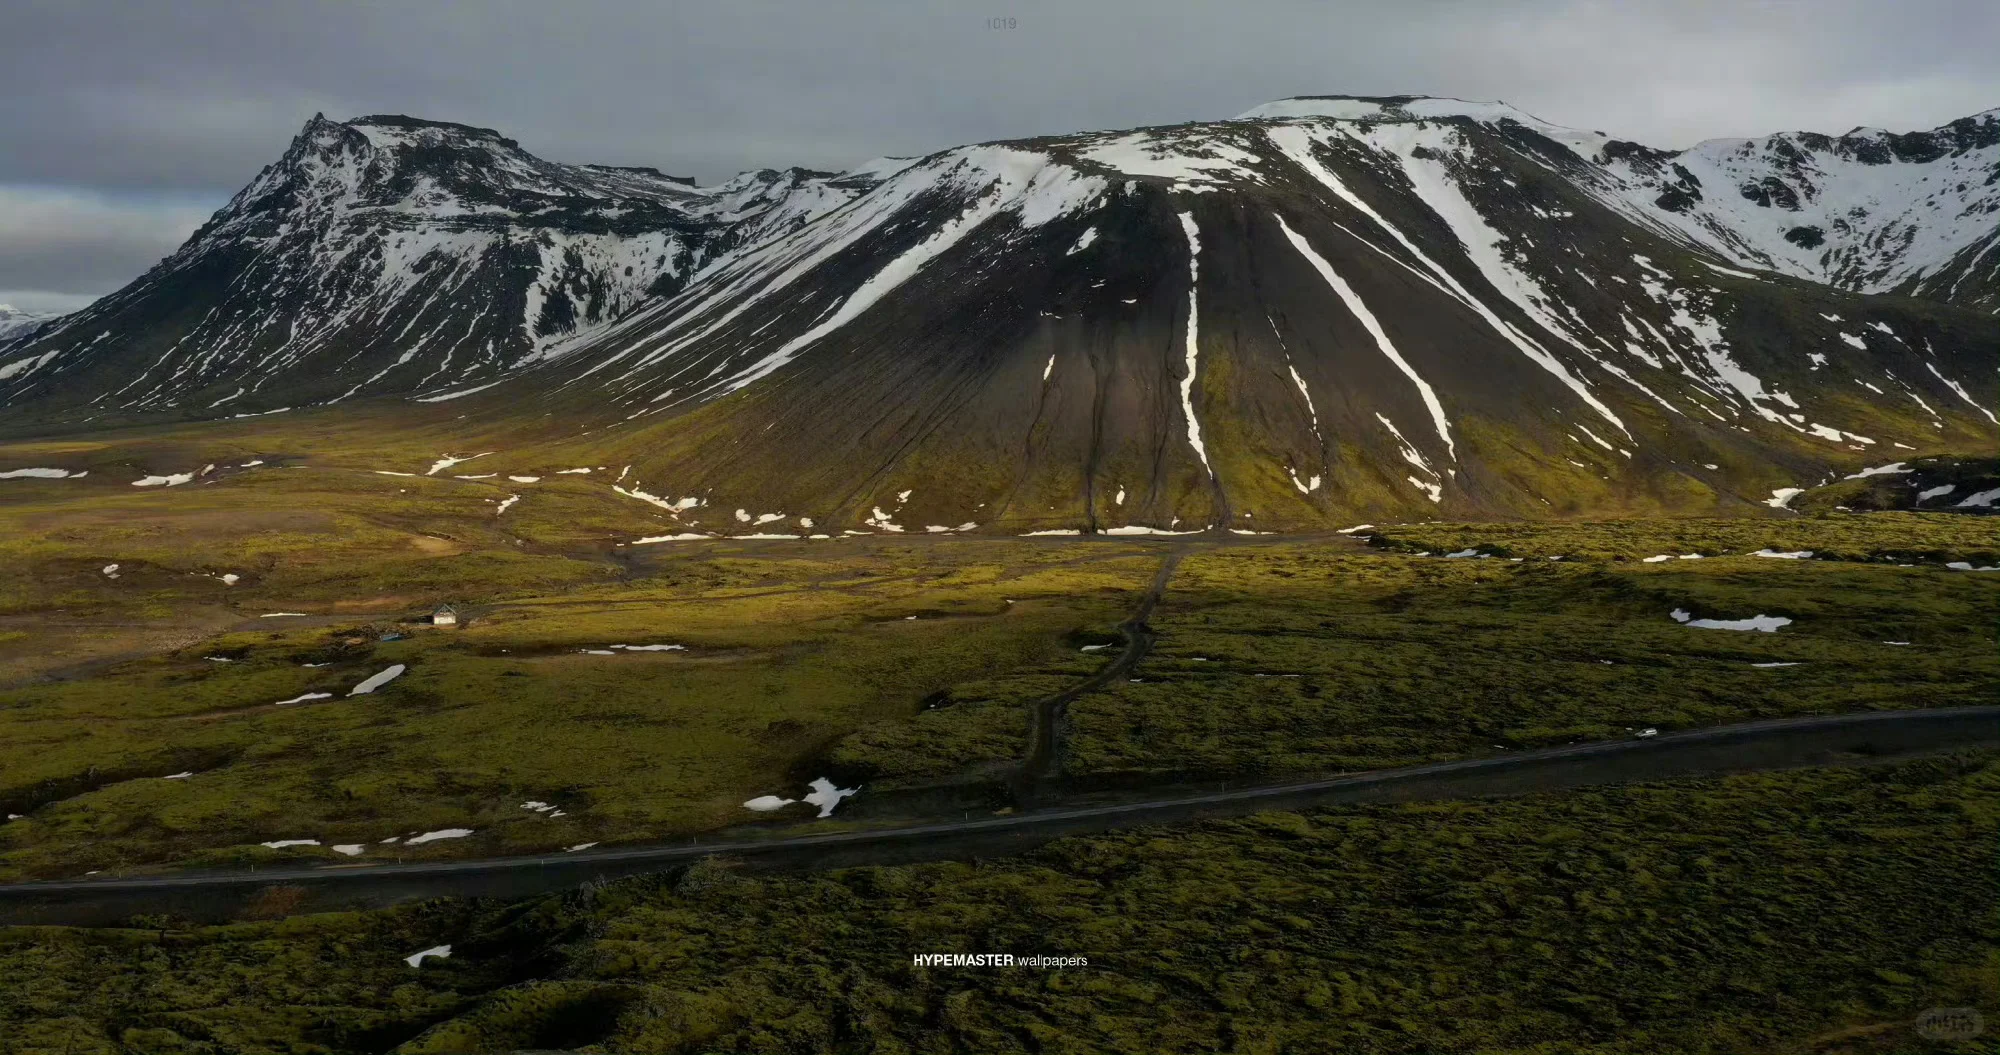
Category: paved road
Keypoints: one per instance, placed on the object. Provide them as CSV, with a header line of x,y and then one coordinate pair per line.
x,y
1767,745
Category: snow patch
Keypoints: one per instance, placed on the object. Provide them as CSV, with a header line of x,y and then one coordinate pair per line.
x,y
376,681
447,461
442,833
826,796
1768,624
1193,347
1374,328
1891,469
441,952
1141,529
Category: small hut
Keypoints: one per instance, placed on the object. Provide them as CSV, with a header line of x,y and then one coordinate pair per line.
x,y
445,615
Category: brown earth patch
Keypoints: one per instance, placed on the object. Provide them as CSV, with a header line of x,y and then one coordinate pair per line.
x,y
432,546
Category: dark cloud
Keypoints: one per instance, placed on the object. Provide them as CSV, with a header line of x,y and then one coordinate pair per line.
x,y
57,243
188,100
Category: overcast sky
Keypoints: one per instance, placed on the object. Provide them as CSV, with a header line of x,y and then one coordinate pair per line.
x,y
123,125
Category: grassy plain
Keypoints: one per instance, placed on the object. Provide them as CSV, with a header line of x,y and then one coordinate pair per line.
x,y
885,660
1291,658
112,685
1813,911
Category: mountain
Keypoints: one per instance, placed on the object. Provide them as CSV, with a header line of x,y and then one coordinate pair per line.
x,y
1326,310
387,254
1871,211
1432,308
15,323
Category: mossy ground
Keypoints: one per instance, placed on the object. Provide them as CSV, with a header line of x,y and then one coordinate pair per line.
x,y
108,685
1290,658
1748,914
801,654
1808,911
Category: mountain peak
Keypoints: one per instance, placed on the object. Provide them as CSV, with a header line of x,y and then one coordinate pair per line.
x,y
395,254
405,127
1390,108
392,255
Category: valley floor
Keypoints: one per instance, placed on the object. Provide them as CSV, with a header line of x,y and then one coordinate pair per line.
x,y
239,672
1812,911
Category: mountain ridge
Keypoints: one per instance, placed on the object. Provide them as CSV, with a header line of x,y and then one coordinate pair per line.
x,y
1281,321
1671,353
389,226
1777,174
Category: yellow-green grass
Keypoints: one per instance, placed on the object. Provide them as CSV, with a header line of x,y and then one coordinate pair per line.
x,y
508,709
1838,536
326,541
800,654
1290,659
1806,911
107,685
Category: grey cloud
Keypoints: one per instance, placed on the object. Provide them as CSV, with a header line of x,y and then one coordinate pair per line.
x,y
190,99
55,241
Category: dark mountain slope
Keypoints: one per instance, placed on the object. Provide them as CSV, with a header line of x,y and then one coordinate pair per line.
x,y
387,255
1373,309
1425,316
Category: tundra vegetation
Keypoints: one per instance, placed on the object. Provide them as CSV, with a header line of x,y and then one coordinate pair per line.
x,y
1803,911
141,730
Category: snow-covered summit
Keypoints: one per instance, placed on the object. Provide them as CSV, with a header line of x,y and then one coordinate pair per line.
x,y
392,254
15,323
1872,210
1394,108
1389,108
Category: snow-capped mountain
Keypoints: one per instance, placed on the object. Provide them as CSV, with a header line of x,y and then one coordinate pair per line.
x,y
15,323
1870,211
388,254
1326,310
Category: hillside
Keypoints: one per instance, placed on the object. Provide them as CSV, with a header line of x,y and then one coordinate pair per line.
x,y
386,255
1330,309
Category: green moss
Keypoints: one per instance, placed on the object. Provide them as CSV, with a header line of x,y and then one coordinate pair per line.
x,y
784,655
1292,658
1750,913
